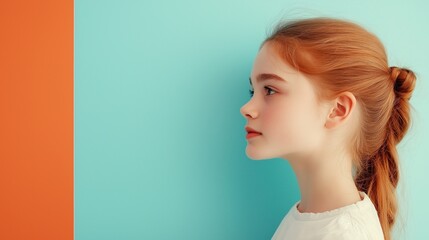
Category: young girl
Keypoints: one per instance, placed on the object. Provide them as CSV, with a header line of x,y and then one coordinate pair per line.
x,y
324,98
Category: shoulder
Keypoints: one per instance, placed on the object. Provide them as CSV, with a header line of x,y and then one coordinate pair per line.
x,y
350,234
355,225
343,227
363,221
365,225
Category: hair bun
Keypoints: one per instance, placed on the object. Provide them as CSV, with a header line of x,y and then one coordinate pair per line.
x,y
404,80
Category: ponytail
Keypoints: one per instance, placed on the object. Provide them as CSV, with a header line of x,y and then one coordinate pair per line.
x,y
380,174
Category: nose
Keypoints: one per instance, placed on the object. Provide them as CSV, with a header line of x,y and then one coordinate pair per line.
x,y
247,111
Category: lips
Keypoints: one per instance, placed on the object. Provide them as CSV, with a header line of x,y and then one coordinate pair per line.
x,y
251,130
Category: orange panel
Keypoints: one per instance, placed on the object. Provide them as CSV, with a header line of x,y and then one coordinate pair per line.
x,y
36,119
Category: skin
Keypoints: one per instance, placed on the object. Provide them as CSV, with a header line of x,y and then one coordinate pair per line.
x,y
309,134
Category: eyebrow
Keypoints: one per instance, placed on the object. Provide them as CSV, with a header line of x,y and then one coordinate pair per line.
x,y
265,76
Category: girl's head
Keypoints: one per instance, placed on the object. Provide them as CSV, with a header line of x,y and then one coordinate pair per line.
x,y
294,121
325,83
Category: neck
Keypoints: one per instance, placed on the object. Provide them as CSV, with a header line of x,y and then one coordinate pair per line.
x,y
325,184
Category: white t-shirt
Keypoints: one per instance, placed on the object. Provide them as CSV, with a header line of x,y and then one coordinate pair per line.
x,y
357,221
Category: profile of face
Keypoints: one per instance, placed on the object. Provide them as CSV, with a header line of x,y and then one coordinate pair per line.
x,y
284,108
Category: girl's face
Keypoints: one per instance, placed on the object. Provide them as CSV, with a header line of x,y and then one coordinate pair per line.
x,y
284,109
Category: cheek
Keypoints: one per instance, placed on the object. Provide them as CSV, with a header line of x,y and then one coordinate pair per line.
x,y
291,122
288,113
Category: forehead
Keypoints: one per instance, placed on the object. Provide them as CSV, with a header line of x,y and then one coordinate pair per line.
x,y
268,61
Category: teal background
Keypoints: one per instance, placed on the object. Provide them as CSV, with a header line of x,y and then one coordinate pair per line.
x,y
159,139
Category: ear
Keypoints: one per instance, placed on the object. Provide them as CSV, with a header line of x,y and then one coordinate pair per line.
x,y
340,112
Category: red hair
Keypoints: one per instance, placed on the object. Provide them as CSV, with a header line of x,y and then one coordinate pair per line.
x,y
340,55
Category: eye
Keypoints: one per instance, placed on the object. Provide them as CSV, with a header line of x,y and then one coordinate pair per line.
x,y
251,92
269,89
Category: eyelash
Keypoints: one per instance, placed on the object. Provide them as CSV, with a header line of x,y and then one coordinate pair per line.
x,y
251,92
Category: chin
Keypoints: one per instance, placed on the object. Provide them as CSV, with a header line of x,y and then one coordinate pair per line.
x,y
257,155
256,158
